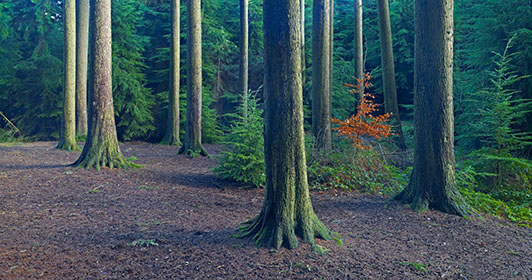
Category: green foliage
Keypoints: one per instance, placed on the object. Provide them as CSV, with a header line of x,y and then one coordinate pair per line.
x,y
348,168
512,203
490,122
132,98
243,161
417,266
210,130
143,243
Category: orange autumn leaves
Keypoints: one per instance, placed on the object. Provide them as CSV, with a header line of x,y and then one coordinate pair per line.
x,y
363,123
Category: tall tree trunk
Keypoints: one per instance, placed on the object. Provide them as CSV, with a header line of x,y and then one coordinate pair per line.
x,y
192,144
68,125
359,46
171,136
287,210
331,46
388,71
82,43
321,86
432,184
243,77
101,148
303,55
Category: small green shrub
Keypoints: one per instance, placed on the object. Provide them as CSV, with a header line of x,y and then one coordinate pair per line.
x,y
348,168
143,243
243,161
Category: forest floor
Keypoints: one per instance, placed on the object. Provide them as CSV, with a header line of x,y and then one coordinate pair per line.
x,y
58,222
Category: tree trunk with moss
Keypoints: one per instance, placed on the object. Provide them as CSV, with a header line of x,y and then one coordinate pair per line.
x,y
287,210
243,75
303,55
68,125
359,45
82,43
388,71
321,86
171,136
331,46
82,46
432,184
101,148
192,144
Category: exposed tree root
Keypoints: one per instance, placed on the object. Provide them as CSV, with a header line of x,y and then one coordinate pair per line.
x,y
421,200
103,156
69,146
170,140
274,233
192,152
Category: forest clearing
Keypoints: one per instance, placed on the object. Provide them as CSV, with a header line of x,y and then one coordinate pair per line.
x,y
59,222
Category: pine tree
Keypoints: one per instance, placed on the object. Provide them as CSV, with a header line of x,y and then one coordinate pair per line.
x,y
101,148
321,85
82,46
192,144
68,125
171,136
432,183
287,210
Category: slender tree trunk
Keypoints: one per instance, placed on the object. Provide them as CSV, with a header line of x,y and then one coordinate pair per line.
x,y
321,86
303,55
192,144
388,71
432,184
82,43
331,46
101,148
243,77
287,210
359,46
68,125
172,127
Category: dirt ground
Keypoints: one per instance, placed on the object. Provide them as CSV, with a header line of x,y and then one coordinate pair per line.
x,y
58,222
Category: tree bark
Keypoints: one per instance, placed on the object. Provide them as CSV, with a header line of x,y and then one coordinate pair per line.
x,y
243,77
192,144
101,148
171,136
82,43
331,46
321,86
303,54
68,125
388,71
359,46
287,210
432,184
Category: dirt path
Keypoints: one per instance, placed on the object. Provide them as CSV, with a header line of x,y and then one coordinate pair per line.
x,y
57,222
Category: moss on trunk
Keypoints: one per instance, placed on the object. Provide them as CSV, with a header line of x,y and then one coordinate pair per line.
x,y
101,148
432,184
82,45
171,136
321,85
68,125
287,210
192,144
388,71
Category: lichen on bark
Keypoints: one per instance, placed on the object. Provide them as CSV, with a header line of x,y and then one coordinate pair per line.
x,y
101,148
287,211
432,183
